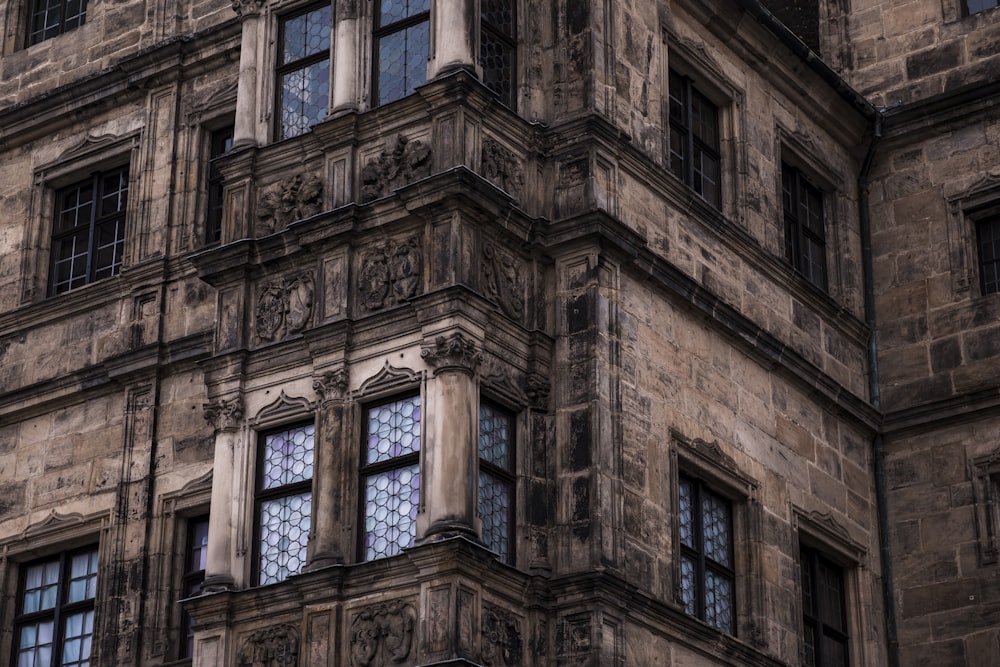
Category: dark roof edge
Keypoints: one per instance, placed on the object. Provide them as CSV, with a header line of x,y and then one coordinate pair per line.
x,y
799,48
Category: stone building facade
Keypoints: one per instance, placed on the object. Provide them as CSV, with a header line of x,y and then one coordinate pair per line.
x,y
498,333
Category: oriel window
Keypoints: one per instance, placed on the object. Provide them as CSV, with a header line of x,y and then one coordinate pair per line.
x,y
705,531
695,156
805,232
402,46
497,47
496,479
303,70
824,617
88,236
49,18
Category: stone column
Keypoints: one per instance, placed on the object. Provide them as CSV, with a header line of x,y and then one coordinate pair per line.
x,y
325,546
226,415
448,485
346,92
245,130
455,37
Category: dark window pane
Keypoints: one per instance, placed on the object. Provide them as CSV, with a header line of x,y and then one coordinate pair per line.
x,y
694,153
220,141
49,18
824,624
976,6
988,240
805,227
495,499
402,43
705,526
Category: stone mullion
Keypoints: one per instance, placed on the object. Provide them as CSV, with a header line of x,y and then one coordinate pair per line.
x,y
326,544
348,60
455,36
225,416
245,129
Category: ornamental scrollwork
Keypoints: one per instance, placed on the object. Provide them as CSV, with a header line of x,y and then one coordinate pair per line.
x,y
502,276
501,638
293,198
502,168
452,351
284,307
332,385
408,161
390,273
275,646
224,414
382,634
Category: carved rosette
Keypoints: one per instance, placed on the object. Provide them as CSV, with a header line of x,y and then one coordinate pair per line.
x,y
501,638
408,161
390,273
275,646
332,385
502,277
284,307
382,634
293,198
453,352
500,166
224,414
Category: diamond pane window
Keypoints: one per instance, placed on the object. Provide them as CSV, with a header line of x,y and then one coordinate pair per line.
x,y
988,243
695,156
55,621
824,613
705,533
496,479
88,237
304,70
497,48
390,477
284,502
805,233
49,18
402,46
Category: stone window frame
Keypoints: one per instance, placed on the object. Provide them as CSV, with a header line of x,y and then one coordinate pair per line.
x,y
56,534
29,12
284,411
800,150
985,473
955,10
378,31
282,16
177,508
822,533
964,210
93,154
705,461
689,58
494,399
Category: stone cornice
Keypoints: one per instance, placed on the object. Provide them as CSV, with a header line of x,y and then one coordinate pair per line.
x,y
937,414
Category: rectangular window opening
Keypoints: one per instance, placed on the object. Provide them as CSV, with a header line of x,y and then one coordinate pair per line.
x,y
51,18
220,141
824,611
303,70
805,230
401,49
695,153
195,561
988,245
498,48
707,576
496,480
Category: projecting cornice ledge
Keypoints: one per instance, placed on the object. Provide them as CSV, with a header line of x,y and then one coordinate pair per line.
x,y
770,351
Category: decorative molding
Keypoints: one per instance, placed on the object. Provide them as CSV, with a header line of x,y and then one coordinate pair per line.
x,y
502,277
284,307
501,167
388,379
293,198
283,407
985,474
537,390
247,8
390,273
275,646
828,523
382,634
332,385
454,351
224,414
408,161
90,144
501,638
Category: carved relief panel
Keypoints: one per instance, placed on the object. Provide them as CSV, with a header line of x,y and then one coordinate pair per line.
x,y
503,278
408,161
293,198
382,634
500,166
390,272
284,307
274,646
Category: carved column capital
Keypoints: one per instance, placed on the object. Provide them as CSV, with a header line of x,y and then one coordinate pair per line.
x,y
332,385
537,390
453,352
224,414
247,8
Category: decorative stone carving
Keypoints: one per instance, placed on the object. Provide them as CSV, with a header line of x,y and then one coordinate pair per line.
x,y
408,161
284,307
275,646
502,277
382,634
501,638
332,385
390,273
453,351
245,8
293,198
502,168
537,390
224,414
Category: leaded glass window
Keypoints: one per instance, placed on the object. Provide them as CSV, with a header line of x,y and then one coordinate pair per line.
x,y
55,607
824,613
497,47
88,238
303,70
49,18
695,156
390,477
402,46
195,561
705,532
805,232
988,243
496,479
284,502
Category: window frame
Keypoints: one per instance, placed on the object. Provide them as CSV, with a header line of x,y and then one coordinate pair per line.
x,y
798,231
507,40
366,470
507,477
219,142
991,218
62,608
30,11
191,581
379,32
812,622
300,64
262,495
693,143
967,11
